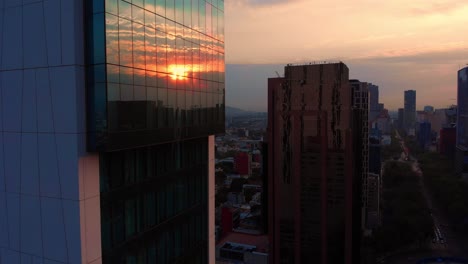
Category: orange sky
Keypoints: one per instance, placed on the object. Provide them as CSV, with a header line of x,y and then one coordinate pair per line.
x,y
397,44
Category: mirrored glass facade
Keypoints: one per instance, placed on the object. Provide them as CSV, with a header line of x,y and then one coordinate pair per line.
x,y
155,71
154,204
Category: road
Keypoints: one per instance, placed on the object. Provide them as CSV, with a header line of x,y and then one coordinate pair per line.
x,y
444,242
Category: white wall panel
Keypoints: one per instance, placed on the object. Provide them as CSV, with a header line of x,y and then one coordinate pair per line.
x,y
12,55
48,166
12,161
45,120
68,165
3,221
29,164
9,256
53,228
12,85
53,32
63,92
34,46
13,215
72,221
31,240
28,103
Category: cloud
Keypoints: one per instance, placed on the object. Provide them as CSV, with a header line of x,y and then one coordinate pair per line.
x,y
444,55
260,3
439,7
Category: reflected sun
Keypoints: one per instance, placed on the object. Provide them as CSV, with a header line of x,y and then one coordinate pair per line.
x,y
177,72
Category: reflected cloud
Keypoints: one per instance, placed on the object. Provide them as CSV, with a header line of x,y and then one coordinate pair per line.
x,y
161,47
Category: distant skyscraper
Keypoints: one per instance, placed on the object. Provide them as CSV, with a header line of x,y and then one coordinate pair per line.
x,y
374,108
360,95
410,112
109,111
462,122
314,193
424,134
373,97
401,118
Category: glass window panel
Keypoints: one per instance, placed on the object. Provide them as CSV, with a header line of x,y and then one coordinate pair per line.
x,y
113,73
112,39
151,79
150,19
125,43
214,22
118,224
171,53
161,7
138,14
161,49
188,13
138,3
160,23
139,77
150,5
171,98
179,11
126,92
179,30
189,107
113,92
202,16
221,26
195,10
162,107
140,93
221,4
125,10
150,48
138,46
170,27
152,97
111,6
129,217
181,99
179,55
126,75
161,205
162,81
170,10
170,204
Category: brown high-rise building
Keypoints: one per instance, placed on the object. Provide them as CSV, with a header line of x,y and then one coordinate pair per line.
x,y
314,204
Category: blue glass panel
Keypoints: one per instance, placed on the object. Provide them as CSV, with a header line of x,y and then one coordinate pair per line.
x,y
98,6
98,43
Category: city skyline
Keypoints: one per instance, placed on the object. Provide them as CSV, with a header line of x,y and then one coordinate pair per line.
x,y
396,45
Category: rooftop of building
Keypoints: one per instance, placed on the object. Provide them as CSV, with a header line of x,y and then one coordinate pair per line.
x,y
260,242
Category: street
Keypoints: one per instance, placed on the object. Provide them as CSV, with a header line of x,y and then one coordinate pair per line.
x,y
444,241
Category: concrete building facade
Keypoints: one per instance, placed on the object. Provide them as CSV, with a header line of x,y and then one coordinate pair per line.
x,y
314,209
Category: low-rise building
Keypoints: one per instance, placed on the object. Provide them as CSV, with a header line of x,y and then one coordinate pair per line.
x,y
242,248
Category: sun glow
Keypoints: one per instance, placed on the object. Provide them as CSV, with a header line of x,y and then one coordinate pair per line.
x,y
178,72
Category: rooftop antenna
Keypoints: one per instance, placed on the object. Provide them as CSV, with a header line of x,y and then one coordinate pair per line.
x,y
277,74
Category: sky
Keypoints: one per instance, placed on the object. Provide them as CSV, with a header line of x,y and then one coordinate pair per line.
x,y
398,45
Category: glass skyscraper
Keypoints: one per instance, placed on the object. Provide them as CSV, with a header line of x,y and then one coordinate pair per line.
x,y
108,114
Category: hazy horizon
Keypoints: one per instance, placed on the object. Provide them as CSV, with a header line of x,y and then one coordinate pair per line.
x,y
396,45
